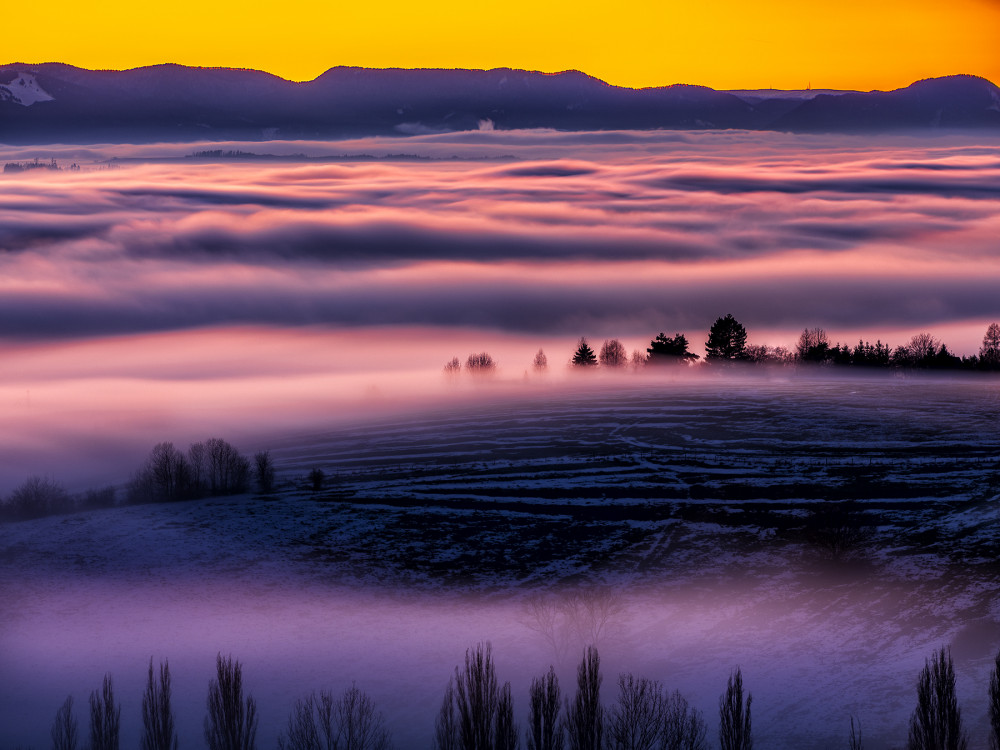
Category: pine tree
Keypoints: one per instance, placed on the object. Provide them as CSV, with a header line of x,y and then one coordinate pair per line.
x,y
584,355
727,340
669,350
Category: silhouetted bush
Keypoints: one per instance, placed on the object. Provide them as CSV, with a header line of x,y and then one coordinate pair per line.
x,y
105,718
453,367
670,350
231,723
936,723
316,478
735,731
585,715
158,731
545,731
64,729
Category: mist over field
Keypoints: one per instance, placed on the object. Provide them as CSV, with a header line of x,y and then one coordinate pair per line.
x,y
303,297
173,295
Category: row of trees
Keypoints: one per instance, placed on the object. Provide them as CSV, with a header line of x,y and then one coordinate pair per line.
x,y
727,344
477,714
208,469
325,722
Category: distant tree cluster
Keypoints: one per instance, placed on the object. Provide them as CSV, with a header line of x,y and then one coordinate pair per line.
x,y
208,469
40,496
727,345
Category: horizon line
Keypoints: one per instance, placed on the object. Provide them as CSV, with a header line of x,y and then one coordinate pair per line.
x,y
566,71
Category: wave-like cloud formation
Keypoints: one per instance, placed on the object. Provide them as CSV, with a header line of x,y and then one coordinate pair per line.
x,y
612,233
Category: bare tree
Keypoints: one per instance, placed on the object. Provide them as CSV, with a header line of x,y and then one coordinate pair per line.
x,y
477,699
453,366
506,734
37,497
592,611
734,716
585,715
446,724
228,469
231,723
855,738
264,470
545,732
995,704
813,345
480,364
684,727
989,352
547,617
104,717
540,362
613,354
302,732
64,729
936,723
158,731
635,720
638,359
360,726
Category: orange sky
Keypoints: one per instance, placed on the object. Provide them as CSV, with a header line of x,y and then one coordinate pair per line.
x,y
724,44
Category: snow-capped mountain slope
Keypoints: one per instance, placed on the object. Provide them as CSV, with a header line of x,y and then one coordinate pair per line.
x,y
23,89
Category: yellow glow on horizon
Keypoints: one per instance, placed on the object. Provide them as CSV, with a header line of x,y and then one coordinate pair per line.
x,y
727,44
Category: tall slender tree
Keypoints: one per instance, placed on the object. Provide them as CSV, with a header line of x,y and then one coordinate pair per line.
x,y
158,731
734,715
544,732
585,715
105,717
231,723
936,723
995,704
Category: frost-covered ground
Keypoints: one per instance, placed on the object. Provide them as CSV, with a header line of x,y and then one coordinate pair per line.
x,y
686,527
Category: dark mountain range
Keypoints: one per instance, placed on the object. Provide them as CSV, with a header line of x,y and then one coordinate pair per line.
x,y
59,103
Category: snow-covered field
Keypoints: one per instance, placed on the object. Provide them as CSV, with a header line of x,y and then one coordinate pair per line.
x,y
685,527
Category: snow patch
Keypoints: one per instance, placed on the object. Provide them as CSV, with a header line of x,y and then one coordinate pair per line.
x,y
24,90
